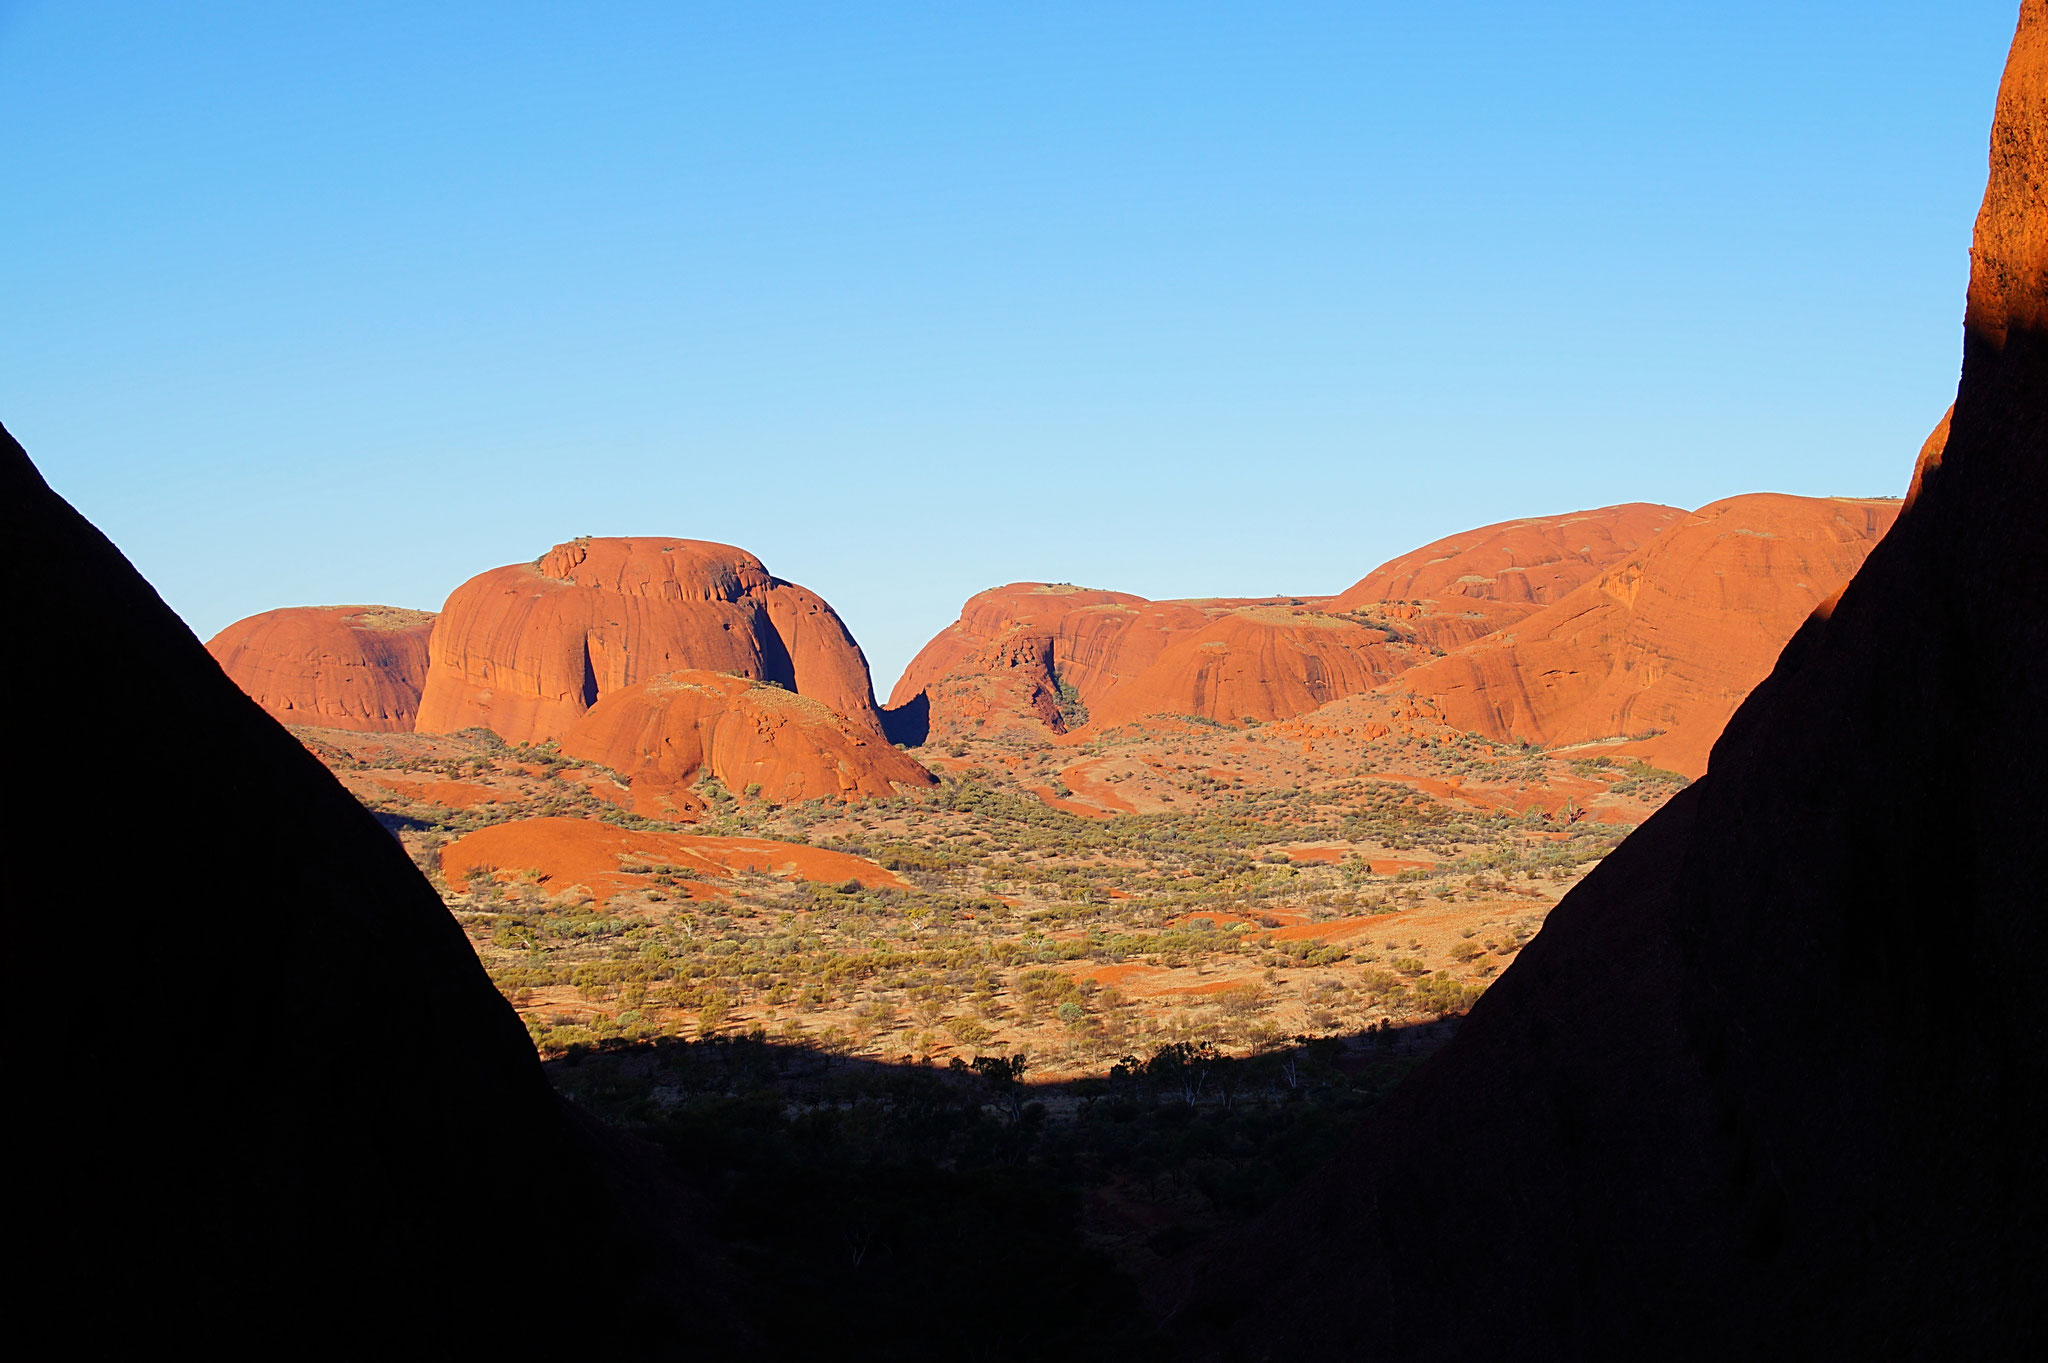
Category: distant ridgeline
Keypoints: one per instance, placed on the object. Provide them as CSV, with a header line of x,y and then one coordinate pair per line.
x,y
1638,628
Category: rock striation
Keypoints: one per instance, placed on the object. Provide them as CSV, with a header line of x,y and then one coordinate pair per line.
x,y
334,667
1773,1080
1663,646
526,649
753,737
296,1109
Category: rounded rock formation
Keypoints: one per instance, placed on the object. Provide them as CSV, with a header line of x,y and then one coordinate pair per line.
x,y
1051,656
1663,647
1263,662
1036,656
525,650
1009,654
335,667
753,737
1467,585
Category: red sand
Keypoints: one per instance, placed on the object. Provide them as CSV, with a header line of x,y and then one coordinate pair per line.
x,y
1080,779
1323,932
449,794
586,852
1068,806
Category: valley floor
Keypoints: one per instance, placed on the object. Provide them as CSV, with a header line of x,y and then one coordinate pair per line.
x,y
1086,1002
1071,902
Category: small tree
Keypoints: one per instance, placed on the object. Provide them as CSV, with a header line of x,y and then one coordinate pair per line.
x,y
1004,1075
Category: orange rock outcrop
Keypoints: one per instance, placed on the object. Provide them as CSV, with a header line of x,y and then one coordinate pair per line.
x,y
1668,642
337,667
526,649
1057,656
1003,659
1016,649
662,734
1258,662
1931,451
1467,585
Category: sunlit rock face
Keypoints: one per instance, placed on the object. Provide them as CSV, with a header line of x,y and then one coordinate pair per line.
x,y
336,667
1662,646
753,737
526,649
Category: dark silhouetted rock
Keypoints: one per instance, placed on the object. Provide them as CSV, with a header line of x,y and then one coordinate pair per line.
x,y
269,1101
1773,1081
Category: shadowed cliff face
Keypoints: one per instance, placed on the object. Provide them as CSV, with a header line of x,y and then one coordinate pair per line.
x,y
1718,1108
295,1115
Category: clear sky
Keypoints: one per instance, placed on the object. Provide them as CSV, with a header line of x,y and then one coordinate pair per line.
x,y
310,303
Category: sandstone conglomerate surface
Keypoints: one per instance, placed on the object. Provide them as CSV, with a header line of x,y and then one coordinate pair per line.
x,y
526,649
334,667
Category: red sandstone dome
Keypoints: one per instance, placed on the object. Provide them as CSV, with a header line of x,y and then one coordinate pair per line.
x,y
1039,653
1017,650
526,649
1468,585
1004,660
336,667
1260,662
1671,640
1021,619
662,734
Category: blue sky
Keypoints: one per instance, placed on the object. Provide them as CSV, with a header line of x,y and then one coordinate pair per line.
x,y
338,303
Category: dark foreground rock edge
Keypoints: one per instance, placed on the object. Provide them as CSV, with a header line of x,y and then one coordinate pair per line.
x,y
267,1098
1773,1082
